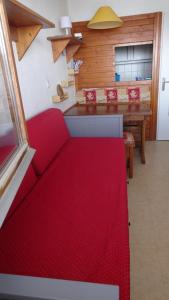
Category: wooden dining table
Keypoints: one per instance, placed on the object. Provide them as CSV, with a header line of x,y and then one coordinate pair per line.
x,y
137,113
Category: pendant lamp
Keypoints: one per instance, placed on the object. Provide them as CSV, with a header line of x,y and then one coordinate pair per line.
x,y
105,18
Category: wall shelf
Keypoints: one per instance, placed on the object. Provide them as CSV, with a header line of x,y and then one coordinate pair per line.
x,y
67,83
68,42
24,24
131,83
58,99
72,72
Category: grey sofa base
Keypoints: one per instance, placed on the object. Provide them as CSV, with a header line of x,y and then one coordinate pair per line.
x,y
27,287
95,126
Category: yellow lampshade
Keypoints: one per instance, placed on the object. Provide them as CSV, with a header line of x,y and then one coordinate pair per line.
x,y
105,18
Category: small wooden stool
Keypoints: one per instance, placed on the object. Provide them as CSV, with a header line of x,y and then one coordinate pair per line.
x,y
130,144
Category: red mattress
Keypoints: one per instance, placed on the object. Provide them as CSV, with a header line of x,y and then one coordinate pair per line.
x,y
74,224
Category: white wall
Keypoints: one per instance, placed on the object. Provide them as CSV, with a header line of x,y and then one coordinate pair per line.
x,y
36,69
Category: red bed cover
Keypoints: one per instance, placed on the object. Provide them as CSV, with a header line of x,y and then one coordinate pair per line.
x,y
74,224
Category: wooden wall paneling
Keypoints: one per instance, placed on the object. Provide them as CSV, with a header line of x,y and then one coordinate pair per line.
x,y
119,38
97,49
88,68
92,52
97,68
98,54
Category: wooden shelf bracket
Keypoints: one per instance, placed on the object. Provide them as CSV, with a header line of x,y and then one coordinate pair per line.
x,y
24,25
70,51
59,43
24,37
58,47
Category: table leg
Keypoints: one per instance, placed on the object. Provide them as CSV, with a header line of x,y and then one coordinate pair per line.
x,y
131,157
143,137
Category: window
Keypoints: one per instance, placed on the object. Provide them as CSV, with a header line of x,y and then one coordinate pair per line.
x,y
13,139
11,136
133,62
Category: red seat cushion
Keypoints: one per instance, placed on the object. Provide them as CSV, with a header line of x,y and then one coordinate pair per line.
x,y
74,225
47,134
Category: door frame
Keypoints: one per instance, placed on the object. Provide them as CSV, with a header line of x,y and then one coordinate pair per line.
x,y
155,73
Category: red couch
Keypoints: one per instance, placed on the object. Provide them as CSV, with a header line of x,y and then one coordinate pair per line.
x,y
69,219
